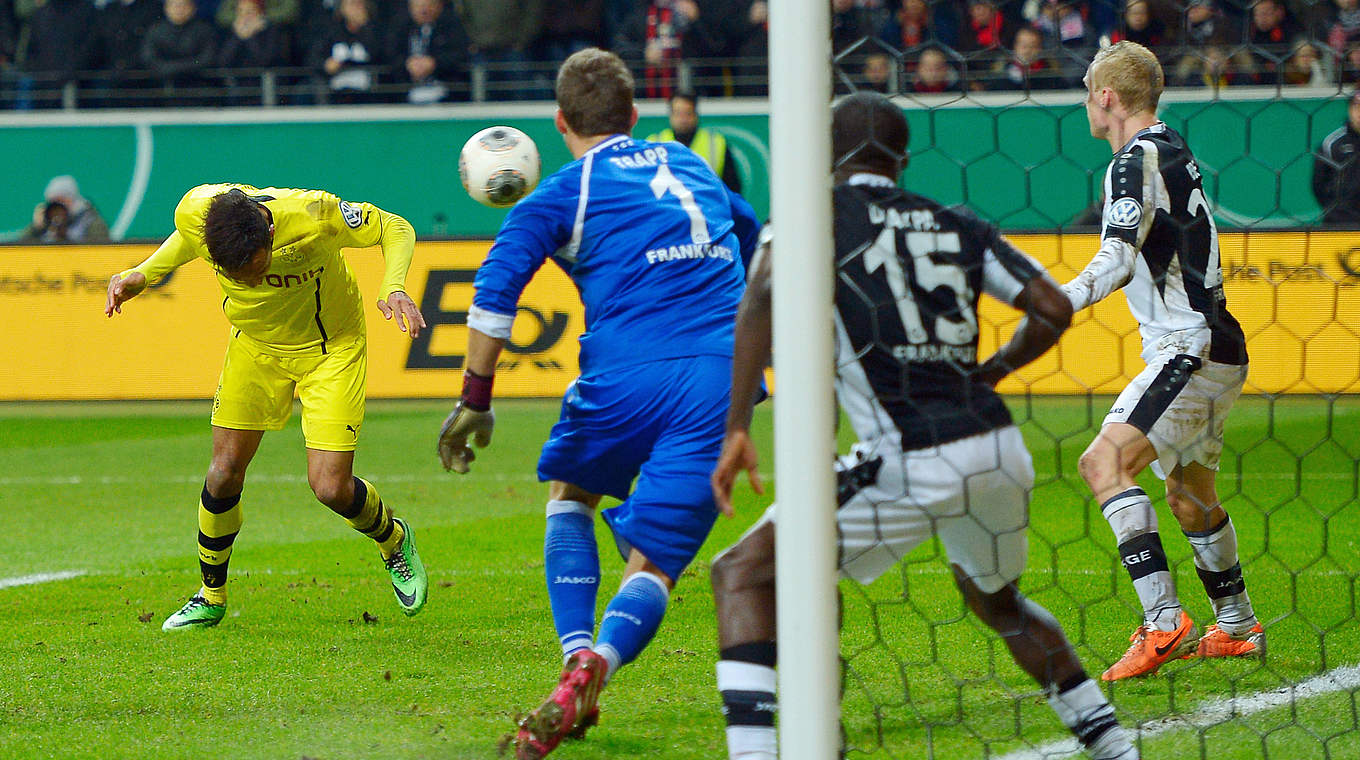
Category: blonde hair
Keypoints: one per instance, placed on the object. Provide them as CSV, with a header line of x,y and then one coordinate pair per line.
x,y
1132,71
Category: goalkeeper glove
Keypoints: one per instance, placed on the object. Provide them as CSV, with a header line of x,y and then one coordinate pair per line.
x,y
461,424
471,418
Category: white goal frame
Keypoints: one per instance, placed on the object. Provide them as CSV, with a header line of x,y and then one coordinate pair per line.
x,y
804,409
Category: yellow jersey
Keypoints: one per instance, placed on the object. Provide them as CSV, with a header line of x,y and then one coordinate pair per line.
x,y
309,297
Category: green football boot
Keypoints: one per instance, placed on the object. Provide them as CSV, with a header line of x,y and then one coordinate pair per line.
x,y
408,573
196,613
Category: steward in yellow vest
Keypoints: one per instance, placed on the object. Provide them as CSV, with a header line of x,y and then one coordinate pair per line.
x,y
710,145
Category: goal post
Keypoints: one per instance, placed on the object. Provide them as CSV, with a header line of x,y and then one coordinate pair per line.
x,y
804,413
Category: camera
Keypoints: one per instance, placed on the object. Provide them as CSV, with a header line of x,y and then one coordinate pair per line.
x,y
55,212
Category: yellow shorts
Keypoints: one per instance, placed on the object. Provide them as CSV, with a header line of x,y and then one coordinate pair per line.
x,y
255,391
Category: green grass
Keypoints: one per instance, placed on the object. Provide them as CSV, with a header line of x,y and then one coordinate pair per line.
x,y
296,671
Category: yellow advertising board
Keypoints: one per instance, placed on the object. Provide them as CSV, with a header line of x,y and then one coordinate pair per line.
x,y
1294,292
169,342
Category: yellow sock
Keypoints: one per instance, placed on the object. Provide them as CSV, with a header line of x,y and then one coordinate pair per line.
x,y
372,518
219,521
214,595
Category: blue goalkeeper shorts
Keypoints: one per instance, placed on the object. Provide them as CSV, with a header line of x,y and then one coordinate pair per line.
x,y
660,423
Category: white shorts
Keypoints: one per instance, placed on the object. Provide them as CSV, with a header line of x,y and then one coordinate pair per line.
x,y
1180,402
973,493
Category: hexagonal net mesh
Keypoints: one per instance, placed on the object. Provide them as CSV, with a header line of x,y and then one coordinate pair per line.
x,y
1227,224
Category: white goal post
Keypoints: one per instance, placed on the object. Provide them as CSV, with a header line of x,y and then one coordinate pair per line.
x,y
804,409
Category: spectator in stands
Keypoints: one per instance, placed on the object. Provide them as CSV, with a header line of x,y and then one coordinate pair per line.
x,y
569,26
1350,64
253,41
753,78
1207,34
934,75
711,146
715,41
122,25
1336,170
9,34
65,216
985,35
179,47
1063,24
347,51
1305,67
656,34
1269,34
282,14
1028,68
617,15
914,24
1341,29
1067,31
499,33
850,23
430,48
1142,27
877,74
60,43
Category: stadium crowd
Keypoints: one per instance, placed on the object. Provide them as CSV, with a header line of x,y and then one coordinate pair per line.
x,y
229,52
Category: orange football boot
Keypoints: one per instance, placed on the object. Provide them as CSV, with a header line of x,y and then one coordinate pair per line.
x,y
1219,643
1151,648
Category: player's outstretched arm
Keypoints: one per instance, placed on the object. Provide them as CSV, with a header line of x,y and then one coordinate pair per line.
x,y
400,306
471,419
123,289
1048,312
751,354
125,286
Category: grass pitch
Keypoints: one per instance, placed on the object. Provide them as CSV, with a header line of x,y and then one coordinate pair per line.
x,y
315,660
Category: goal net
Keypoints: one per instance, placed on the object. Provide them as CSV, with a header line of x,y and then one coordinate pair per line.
x,y
921,677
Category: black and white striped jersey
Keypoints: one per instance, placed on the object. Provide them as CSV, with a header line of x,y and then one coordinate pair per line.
x,y
1155,207
909,273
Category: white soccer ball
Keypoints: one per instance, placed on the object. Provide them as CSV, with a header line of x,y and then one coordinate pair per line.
x,y
499,165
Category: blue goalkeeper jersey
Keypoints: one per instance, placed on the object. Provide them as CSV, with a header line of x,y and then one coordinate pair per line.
x,y
654,241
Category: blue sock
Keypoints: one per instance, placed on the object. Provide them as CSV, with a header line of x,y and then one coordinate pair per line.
x,y
572,569
631,619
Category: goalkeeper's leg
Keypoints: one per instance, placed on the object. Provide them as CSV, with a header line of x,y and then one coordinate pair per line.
x,y
1039,646
744,599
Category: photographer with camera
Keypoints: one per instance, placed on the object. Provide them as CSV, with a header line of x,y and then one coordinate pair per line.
x,y
65,216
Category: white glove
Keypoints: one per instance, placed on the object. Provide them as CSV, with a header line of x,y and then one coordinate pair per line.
x,y
461,423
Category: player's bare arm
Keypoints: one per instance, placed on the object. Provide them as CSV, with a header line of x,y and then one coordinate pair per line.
x,y
472,418
1048,312
400,307
123,289
751,354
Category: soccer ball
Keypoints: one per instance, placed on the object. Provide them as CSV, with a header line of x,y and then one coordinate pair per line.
x,y
499,165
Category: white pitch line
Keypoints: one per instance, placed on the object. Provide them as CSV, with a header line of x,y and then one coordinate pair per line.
x,y
1214,712
108,480
29,580
526,477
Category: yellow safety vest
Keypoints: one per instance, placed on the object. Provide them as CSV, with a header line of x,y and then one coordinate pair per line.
x,y
711,146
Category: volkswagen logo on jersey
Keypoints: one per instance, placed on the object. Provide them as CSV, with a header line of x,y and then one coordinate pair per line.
x,y
353,216
1126,212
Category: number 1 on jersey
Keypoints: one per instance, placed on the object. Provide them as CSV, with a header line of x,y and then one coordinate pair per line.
x,y
665,182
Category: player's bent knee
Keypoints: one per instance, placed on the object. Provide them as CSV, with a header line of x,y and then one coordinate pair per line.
x,y
334,492
739,569
1099,465
225,478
